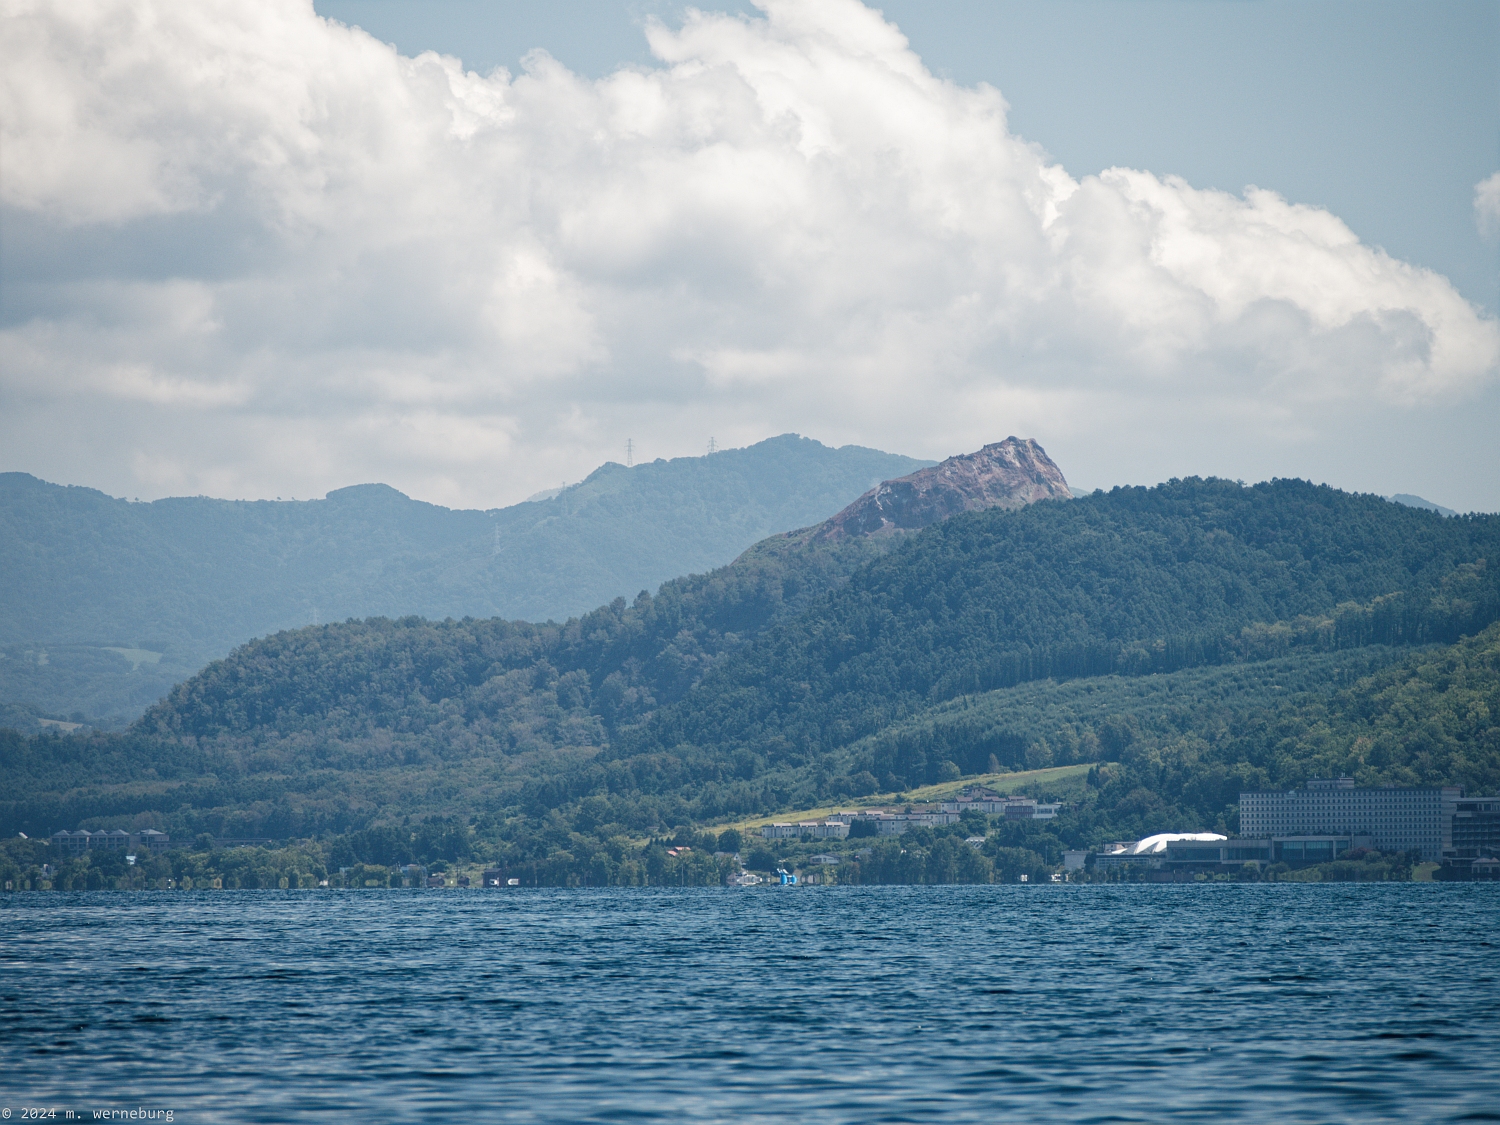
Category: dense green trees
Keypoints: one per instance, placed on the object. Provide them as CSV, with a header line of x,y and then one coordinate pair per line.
x,y
1185,642
1136,581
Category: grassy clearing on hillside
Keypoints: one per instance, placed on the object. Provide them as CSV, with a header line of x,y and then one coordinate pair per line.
x,y
1000,782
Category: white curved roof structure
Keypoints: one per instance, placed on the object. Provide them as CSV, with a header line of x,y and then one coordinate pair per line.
x,y
1153,845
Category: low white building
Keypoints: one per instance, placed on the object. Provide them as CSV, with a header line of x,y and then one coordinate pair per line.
x,y
806,829
895,824
825,830
148,839
987,801
978,798
1150,850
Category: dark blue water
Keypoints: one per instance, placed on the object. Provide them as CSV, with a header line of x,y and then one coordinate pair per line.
x,y
1148,1003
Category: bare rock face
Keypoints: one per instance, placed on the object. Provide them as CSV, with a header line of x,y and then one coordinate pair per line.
x,y
1007,474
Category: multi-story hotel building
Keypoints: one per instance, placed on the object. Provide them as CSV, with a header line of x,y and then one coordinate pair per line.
x,y
1396,819
1475,843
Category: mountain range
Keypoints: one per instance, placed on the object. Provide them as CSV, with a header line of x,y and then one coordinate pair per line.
x,y
1175,643
108,603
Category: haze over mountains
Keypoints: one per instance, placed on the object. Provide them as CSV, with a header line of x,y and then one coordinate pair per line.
x,y
107,603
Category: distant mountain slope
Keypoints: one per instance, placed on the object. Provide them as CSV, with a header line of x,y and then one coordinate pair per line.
x,y
106,603
801,673
626,530
1418,502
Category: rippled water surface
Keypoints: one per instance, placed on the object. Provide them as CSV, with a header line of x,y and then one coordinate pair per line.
x,y
1139,1003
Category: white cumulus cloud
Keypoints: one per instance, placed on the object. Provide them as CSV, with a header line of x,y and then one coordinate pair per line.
x,y
258,252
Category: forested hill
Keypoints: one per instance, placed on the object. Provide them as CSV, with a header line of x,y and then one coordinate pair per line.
x,y
1137,580
795,676
106,603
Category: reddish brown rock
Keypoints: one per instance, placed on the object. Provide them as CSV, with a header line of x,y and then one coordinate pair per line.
x,y
1008,474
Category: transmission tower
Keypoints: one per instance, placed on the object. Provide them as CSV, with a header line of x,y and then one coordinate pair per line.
x,y
713,446
629,452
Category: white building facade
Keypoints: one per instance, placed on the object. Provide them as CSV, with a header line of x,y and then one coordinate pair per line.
x,y
987,801
806,829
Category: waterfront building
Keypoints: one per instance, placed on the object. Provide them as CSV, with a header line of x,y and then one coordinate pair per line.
x,y
1200,851
74,843
1396,819
71,843
1309,849
1149,852
1242,850
152,840
1475,831
1296,851
1208,852
1474,837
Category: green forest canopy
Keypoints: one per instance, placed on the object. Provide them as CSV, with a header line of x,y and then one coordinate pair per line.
x,y
1292,628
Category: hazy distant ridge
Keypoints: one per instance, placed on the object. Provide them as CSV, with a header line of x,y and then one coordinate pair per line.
x,y
192,577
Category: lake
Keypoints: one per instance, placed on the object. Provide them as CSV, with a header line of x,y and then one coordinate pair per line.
x,y
1257,1002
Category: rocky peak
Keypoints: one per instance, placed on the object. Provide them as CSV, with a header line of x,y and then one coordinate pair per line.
x,y
1006,474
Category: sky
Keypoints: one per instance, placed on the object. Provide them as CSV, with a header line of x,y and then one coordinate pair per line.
x,y
470,249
